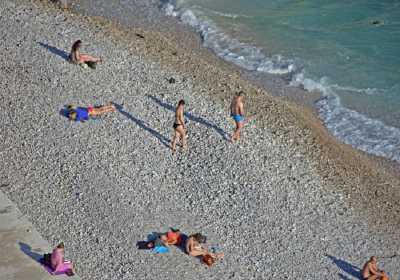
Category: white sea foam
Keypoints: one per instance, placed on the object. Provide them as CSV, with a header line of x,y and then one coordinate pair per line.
x,y
353,128
226,15
367,134
230,49
366,91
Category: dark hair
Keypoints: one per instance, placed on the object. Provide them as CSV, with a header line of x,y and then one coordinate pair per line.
x,y
72,115
199,237
61,245
174,229
76,45
181,102
240,93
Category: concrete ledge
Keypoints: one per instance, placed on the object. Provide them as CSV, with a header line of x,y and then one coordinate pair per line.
x,y
21,246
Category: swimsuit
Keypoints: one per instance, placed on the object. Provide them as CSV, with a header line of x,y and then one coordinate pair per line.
x,y
173,237
82,114
175,126
58,264
237,117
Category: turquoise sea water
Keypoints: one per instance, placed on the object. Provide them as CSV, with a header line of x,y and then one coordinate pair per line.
x,y
348,50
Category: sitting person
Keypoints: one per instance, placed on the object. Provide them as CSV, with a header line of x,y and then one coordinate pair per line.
x,y
58,264
370,271
82,114
172,237
82,59
194,248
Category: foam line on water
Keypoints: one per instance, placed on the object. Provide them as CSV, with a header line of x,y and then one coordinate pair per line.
x,y
246,56
351,127
367,134
226,15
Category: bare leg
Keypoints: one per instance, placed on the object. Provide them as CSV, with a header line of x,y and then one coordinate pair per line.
x,y
108,108
385,276
174,140
197,253
236,134
86,58
182,134
217,256
103,109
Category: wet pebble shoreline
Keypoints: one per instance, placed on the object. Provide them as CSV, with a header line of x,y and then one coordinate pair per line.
x,y
103,185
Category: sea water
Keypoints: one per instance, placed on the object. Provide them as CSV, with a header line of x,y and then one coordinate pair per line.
x,y
347,50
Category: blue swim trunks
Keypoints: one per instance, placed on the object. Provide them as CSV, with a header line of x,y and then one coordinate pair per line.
x,y
237,118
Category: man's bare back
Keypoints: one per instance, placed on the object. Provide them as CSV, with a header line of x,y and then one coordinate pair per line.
x,y
237,107
237,113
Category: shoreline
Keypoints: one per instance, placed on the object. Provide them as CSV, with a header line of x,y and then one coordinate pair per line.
x,y
363,129
185,37
114,201
345,168
192,44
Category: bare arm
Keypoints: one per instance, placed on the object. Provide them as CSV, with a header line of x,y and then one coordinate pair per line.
x,y
374,271
181,118
189,247
195,249
241,109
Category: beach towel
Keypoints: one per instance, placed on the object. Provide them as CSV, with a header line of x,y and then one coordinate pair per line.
x,y
161,250
59,265
65,268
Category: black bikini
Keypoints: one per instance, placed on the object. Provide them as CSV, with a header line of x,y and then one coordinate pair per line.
x,y
175,126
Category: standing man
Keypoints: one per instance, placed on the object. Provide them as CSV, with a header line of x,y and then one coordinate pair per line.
x,y
237,113
370,271
179,126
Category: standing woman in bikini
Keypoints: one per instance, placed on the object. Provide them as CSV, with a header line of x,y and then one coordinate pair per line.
x,y
179,127
79,58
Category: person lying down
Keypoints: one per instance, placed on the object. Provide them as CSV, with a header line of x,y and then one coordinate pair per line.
x,y
83,114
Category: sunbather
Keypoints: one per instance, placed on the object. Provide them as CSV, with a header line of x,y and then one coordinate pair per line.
x,y
59,264
172,237
195,248
82,59
370,271
83,114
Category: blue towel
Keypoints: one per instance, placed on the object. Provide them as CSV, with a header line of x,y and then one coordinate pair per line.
x,y
161,250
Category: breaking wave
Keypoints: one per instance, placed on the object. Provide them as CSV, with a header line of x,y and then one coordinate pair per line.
x,y
367,134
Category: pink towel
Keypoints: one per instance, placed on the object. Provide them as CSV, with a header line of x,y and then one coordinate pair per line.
x,y
58,264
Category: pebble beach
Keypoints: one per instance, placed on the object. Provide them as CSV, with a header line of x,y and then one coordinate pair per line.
x,y
286,202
